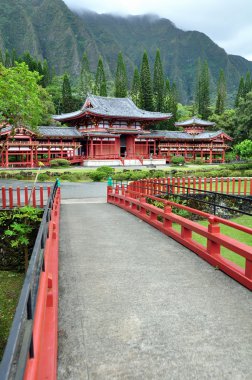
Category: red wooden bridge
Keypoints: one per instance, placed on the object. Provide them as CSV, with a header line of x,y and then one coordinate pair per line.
x,y
135,301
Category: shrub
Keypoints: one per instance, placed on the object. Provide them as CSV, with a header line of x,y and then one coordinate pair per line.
x,y
106,170
178,160
248,173
19,176
42,177
97,176
59,162
198,161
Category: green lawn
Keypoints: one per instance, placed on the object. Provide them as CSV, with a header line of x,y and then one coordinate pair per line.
x,y
10,287
236,234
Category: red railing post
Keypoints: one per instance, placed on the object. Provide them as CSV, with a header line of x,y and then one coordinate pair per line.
x,y
233,185
186,233
213,248
10,197
183,185
167,223
26,196
178,185
189,184
248,269
194,185
239,186
18,197
250,190
41,196
221,189
228,185
245,186
173,186
3,197
34,197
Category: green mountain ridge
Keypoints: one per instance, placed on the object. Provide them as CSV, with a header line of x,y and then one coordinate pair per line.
x,y
49,29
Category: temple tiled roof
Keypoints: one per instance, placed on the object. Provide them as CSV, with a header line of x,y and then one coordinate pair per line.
x,y
59,131
113,107
194,121
174,135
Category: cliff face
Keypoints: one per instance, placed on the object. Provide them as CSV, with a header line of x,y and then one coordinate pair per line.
x,y
48,29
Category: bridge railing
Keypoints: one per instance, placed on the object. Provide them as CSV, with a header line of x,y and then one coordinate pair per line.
x,y
11,197
31,350
233,186
165,220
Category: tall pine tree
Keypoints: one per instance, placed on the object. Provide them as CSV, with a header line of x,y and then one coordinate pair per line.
x,y
67,98
170,104
221,94
146,94
247,84
203,90
100,80
240,93
158,83
121,82
135,88
85,77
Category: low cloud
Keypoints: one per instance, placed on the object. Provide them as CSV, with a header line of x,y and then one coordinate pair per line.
x,y
227,22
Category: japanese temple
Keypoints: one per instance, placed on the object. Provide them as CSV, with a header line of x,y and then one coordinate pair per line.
x,y
112,131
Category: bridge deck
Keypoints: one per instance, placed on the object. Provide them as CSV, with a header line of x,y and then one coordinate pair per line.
x,y
134,304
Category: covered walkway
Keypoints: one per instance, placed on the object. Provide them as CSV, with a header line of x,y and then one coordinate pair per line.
x,y
135,304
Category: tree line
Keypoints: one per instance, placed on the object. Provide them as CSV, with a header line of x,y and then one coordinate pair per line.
x,y
149,90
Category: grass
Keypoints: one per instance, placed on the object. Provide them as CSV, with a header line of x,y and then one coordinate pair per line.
x,y
10,286
231,232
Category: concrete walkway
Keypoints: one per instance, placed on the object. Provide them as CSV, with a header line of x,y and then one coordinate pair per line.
x,y
134,304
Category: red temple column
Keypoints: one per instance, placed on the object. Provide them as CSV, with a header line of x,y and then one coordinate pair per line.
x,y
7,158
223,155
31,159
117,146
211,156
91,148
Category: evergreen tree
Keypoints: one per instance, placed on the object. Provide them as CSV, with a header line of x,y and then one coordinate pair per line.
x,y
247,84
46,74
121,82
100,80
240,93
221,94
7,62
135,89
1,57
13,57
158,83
85,77
146,94
203,90
67,98
171,104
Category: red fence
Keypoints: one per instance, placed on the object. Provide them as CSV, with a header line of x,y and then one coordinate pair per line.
x,y
236,186
18,197
164,220
45,330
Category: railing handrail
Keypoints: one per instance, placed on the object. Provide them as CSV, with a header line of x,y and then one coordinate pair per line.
x,y
215,239
24,316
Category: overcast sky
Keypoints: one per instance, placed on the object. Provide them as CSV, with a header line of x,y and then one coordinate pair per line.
x,y
227,22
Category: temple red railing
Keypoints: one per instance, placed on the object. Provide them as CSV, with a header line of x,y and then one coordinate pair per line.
x,y
177,185
18,197
165,221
